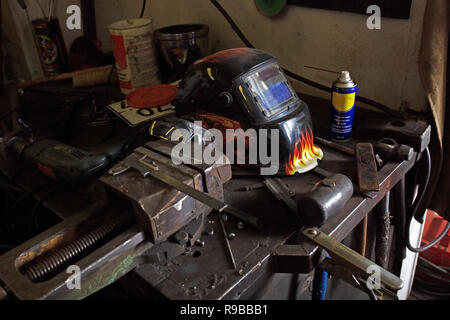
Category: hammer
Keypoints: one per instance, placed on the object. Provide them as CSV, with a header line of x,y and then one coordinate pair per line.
x,y
326,199
389,149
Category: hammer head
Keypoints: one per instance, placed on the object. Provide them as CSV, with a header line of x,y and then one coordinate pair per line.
x,y
327,198
390,149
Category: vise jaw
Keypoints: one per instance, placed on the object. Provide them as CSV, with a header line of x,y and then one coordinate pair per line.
x,y
161,209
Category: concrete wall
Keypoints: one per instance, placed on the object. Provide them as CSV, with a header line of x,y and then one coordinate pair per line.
x,y
23,35
384,62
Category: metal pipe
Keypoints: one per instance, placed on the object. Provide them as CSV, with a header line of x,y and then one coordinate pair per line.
x,y
383,231
400,222
335,146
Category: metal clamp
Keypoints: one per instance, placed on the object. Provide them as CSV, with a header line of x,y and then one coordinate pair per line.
x,y
140,163
356,264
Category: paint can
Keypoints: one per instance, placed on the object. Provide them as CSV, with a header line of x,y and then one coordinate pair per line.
x,y
343,103
134,53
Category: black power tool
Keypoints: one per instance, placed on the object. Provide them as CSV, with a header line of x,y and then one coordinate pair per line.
x,y
62,162
59,161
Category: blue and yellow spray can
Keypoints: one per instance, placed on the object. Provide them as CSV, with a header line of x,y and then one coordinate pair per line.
x,y
343,103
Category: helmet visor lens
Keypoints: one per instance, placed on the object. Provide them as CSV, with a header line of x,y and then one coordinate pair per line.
x,y
270,90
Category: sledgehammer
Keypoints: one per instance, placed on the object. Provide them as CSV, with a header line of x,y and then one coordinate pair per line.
x,y
326,199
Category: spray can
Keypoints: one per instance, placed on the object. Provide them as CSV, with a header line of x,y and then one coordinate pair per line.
x,y
343,102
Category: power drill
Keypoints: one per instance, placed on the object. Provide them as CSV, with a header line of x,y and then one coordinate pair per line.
x,y
59,161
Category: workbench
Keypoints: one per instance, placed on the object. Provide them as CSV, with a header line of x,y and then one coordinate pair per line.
x,y
277,262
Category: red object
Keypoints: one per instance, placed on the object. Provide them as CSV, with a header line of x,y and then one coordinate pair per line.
x,y
440,253
119,51
46,171
85,53
152,96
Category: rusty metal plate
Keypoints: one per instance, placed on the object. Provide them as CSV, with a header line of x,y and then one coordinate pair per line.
x,y
367,168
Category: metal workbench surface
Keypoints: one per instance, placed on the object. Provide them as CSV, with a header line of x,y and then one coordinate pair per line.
x,y
207,272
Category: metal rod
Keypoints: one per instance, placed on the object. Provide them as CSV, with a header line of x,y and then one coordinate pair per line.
x,y
364,229
400,222
335,146
321,69
230,251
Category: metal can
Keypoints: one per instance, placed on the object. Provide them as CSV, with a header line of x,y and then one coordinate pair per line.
x,y
179,46
51,46
343,102
134,53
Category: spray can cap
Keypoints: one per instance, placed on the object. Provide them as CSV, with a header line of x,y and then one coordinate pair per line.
x,y
345,77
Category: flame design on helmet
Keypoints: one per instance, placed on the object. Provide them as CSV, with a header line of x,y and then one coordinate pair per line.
x,y
305,155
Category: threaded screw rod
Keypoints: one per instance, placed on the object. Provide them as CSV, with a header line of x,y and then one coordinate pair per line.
x,y
57,261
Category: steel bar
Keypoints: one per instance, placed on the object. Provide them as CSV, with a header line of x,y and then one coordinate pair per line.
x,y
352,259
230,251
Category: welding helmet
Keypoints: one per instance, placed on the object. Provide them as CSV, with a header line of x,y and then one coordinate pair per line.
x,y
245,89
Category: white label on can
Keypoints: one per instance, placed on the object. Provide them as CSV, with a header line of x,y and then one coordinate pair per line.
x,y
135,58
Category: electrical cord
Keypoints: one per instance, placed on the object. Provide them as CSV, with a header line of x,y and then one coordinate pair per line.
x,y
232,23
432,275
414,212
297,77
431,244
4,218
34,211
26,195
430,288
144,4
431,265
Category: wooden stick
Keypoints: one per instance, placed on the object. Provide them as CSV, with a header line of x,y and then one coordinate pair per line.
x,y
64,76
